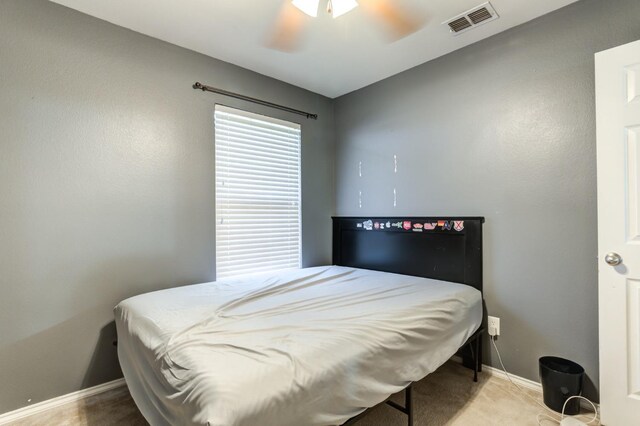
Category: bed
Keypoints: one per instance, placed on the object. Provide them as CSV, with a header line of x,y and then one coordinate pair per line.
x,y
314,346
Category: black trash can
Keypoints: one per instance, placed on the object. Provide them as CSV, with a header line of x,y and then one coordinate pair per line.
x,y
561,379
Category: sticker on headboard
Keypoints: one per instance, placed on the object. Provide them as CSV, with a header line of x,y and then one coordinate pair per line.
x,y
408,225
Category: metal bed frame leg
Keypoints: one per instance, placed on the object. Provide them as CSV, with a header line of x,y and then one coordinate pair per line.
x,y
474,348
408,403
476,359
407,409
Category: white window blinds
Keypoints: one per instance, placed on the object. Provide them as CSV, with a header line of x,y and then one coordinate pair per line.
x,y
257,193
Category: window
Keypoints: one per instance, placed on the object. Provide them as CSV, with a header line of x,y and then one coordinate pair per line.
x,y
257,193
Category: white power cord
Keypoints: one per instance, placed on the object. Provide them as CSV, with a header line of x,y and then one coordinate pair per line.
x,y
595,409
543,417
576,422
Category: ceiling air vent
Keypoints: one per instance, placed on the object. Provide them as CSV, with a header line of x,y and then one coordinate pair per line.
x,y
459,24
472,18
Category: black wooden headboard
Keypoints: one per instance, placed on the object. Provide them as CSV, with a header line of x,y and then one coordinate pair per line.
x,y
442,248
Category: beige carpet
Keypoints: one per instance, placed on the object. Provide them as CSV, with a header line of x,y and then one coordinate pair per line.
x,y
446,397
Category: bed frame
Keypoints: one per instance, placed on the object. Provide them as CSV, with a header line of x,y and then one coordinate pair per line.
x,y
442,248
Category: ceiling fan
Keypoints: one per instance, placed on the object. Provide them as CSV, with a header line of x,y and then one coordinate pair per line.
x,y
310,7
398,21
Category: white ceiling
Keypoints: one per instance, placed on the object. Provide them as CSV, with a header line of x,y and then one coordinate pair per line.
x,y
336,56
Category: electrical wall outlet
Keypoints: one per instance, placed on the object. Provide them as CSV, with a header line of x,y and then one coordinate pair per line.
x,y
494,326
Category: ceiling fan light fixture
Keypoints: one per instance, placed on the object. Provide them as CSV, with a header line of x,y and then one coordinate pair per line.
x,y
340,7
310,7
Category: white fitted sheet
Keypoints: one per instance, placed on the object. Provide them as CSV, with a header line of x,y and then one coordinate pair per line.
x,y
314,346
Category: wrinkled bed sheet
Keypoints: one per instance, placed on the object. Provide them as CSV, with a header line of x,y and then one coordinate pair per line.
x,y
312,346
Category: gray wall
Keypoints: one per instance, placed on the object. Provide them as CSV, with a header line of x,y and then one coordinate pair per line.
x,y
106,177
107,185
505,129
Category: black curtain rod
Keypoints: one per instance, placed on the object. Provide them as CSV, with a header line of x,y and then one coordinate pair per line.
x,y
205,88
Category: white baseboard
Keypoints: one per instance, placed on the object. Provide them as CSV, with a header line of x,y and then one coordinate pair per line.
x,y
30,410
520,381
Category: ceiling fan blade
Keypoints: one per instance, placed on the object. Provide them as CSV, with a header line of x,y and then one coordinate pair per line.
x,y
285,35
398,20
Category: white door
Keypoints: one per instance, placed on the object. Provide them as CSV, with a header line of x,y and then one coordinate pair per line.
x,y
618,147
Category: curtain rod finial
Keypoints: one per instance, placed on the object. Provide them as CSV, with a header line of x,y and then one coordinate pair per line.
x,y
198,85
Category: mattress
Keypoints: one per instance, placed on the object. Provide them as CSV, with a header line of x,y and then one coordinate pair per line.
x,y
313,346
